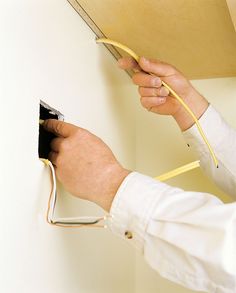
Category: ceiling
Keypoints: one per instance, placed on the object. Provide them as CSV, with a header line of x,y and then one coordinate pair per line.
x,y
197,36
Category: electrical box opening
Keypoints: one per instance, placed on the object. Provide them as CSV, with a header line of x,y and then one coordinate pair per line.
x,y
45,138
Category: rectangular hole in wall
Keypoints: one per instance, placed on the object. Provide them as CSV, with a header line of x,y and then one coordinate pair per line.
x,y
46,112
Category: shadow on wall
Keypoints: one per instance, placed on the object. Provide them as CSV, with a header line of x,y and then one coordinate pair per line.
x,y
122,99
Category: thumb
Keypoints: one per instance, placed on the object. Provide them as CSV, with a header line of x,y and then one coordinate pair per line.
x,y
59,128
156,67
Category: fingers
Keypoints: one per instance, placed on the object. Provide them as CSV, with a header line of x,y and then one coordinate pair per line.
x,y
153,97
153,92
57,144
150,102
128,63
157,67
146,80
53,157
59,128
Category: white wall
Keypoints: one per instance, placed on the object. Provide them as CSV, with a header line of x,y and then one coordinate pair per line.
x,y
47,52
160,147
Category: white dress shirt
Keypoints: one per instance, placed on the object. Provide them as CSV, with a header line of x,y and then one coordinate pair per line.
x,y
187,237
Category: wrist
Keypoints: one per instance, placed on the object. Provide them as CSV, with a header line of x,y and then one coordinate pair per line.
x,y
112,181
198,104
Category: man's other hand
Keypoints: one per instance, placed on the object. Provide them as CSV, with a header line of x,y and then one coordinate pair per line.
x,y
149,74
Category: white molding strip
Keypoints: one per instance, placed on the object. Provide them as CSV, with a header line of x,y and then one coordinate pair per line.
x,y
232,10
84,15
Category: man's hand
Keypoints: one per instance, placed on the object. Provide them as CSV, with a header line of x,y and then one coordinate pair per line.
x,y
84,163
156,98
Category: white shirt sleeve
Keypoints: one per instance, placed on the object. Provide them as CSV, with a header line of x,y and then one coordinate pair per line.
x,y
188,237
222,138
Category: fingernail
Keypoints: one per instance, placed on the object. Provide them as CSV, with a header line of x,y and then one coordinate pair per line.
x,y
156,81
144,60
164,91
161,101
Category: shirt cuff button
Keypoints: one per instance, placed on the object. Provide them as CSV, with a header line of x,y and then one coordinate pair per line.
x,y
128,235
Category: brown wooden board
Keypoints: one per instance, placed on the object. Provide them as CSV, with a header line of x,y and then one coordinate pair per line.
x,y
196,36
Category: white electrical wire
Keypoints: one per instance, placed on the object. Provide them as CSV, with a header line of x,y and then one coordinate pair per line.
x,y
71,222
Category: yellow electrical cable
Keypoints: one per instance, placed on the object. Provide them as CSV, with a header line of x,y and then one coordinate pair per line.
x,y
178,171
136,57
162,177
195,120
119,45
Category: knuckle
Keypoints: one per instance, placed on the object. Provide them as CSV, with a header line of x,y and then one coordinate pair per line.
x,y
164,91
64,145
143,102
58,161
52,144
55,158
79,132
142,91
159,92
149,91
171,69
155,92
140,78
155,81
148,80
135,78
58,127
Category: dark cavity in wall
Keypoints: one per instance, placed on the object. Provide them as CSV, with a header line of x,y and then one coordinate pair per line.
x,y
45,138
